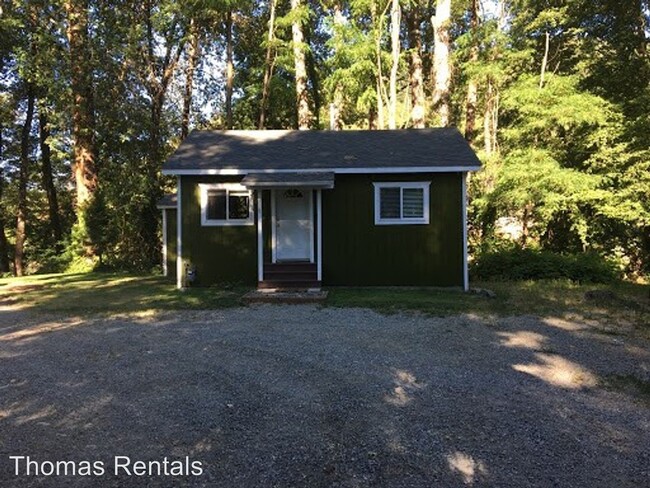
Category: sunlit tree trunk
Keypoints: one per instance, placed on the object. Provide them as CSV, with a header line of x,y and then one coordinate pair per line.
x,y
192,60
230,70
442,68
4,245
85,173
21,217
305,116
395,21
378,22
269,62
491,118
336,123
471,101
542,73
48,179
416,82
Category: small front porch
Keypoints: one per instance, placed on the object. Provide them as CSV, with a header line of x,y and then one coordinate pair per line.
x,y
289,228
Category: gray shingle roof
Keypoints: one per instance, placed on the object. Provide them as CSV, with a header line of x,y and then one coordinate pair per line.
x,y
281,180
321,150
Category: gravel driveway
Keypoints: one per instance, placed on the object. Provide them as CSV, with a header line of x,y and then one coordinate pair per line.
x,y
303,396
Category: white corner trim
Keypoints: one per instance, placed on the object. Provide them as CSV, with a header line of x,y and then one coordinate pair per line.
x,y
205,187
312,245
260,239
164,242
179,235
352,170
465,266
319,234
424,185
274,250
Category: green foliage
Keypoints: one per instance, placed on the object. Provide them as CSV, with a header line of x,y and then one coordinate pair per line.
x,y
571,167
530,264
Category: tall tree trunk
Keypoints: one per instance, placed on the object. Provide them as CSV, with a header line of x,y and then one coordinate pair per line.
x,y
372,119
21,217
302,97
230,70
192,60
336,123
441,62
471,101
395,21
85,173
48,180
378,22
314,80
269,62
416,82
547,41
4,245
491,118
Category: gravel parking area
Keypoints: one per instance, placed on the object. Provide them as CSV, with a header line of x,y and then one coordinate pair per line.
x,y
284,396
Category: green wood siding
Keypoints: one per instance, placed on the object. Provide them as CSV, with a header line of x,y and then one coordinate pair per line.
x,y
171,241
220,254
357,252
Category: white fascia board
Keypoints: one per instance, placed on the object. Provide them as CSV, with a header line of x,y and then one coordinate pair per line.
x,y
342,171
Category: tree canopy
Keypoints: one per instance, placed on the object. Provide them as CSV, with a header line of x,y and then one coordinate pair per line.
x,y
552,94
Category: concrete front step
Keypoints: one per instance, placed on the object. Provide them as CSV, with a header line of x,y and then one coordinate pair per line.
x,y
285,296
292,283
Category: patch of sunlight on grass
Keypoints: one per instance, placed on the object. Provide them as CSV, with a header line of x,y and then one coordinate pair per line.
x,y
541,298
110,293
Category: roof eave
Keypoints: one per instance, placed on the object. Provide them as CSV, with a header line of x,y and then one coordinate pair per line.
x,y
356,170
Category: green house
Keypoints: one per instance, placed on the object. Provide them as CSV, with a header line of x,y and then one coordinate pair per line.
x,y
302,209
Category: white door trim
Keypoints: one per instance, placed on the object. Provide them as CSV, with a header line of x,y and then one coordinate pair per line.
x,y
319,227
260,239
164,241
179,234
274,235
274,251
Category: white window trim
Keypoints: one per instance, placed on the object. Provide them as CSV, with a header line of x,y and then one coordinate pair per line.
x,y
424,185
234,187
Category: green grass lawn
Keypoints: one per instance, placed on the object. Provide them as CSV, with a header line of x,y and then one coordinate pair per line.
x,y
109,292
115,293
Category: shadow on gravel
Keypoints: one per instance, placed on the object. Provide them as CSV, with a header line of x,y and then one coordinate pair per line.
x,y
301,396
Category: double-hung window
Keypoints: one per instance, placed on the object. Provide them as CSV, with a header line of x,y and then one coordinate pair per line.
x,y
402,203
226,204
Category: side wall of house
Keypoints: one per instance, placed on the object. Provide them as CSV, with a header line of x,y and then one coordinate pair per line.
x,y
356,252
171,242
219,254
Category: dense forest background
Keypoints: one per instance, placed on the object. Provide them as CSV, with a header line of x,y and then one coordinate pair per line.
x,y
554,95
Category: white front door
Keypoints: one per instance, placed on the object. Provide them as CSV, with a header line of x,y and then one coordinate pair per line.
x,y
293,225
